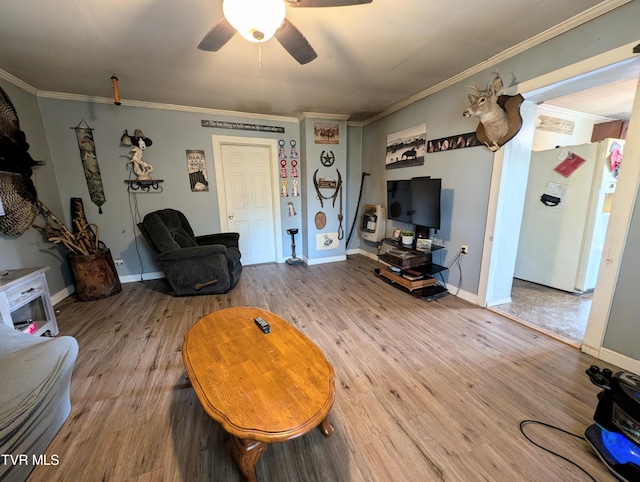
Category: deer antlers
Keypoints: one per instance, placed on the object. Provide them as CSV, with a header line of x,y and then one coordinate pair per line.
x,y
492,116
499,122
475,87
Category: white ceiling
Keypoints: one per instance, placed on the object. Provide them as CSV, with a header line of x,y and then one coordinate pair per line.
x,y
607,92
370,57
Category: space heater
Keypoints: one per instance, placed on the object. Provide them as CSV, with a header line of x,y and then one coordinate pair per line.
x,y
615,435
373,224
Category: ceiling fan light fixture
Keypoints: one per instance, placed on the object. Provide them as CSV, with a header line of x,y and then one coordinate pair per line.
x,y
255,20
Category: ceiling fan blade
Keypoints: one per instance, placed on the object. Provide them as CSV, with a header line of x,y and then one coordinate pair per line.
x,y
326,3
295,43
219,35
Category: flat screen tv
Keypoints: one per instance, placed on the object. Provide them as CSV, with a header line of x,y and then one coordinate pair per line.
x,y
415,201
399,205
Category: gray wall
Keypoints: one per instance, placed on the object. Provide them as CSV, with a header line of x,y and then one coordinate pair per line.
x,y
172,133
466,173
30,249
352,185
623,329
311,153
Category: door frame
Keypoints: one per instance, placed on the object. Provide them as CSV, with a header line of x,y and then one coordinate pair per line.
x,y
626,191
272,144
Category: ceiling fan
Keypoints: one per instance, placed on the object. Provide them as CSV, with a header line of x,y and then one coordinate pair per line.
x,y
259,20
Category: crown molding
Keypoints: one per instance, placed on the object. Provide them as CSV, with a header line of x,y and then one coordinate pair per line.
x,y
155,105
573,22
580,19
17,82
556,110
319,115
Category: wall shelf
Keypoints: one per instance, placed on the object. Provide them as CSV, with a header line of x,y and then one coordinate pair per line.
x,y
144,185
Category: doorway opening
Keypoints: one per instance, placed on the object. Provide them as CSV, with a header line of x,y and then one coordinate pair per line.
x,y
561,314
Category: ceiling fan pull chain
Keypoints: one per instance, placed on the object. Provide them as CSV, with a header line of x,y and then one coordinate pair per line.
x,y
259,55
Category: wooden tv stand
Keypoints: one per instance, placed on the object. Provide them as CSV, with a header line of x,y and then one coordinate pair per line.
x,y
414,270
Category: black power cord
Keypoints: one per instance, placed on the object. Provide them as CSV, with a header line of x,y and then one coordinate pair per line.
x,y
456,260
527,422
135,219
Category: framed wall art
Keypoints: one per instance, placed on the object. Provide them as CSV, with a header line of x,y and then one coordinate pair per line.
x,y
407,147
326,133
555,124
197,168
453,142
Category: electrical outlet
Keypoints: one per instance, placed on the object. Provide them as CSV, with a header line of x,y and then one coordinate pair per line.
x,y
464,249
118,261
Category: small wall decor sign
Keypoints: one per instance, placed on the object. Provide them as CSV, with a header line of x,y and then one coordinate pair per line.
x,y
555,124
241,126
197,168
327,241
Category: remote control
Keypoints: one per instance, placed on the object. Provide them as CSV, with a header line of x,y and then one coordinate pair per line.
x,y
263,325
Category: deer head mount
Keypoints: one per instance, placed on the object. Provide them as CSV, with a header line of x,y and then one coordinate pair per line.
x,y
499,114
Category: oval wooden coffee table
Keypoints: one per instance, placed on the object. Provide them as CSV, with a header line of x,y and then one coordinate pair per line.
x,y
262,388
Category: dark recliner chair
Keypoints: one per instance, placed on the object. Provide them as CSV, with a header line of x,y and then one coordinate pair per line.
x,y
193,265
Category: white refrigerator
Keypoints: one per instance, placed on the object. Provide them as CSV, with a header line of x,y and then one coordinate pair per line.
x,y
562,233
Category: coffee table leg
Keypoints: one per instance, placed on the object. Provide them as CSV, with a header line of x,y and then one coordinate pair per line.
x,y
326,427
246,452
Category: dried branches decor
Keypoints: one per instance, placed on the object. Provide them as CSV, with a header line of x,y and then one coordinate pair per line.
x,y
94,272
83,241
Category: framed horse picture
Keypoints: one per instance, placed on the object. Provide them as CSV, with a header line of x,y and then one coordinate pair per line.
x,y
407,147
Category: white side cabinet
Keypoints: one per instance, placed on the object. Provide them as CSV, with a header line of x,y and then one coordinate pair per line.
x,y
25,303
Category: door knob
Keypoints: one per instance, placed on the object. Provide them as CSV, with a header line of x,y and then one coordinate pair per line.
x,y
230,216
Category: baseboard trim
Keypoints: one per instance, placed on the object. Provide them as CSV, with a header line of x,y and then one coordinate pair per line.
x,y
361,251
499,302
453,290
613,358
132,278
465,295
62,294
332,259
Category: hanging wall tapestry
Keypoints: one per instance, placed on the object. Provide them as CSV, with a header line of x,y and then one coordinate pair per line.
x,y
90,164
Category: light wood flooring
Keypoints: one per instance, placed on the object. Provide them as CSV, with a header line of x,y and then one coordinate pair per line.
x,y
425,391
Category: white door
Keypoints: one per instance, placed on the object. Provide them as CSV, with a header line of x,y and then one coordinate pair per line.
x,y
248,206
